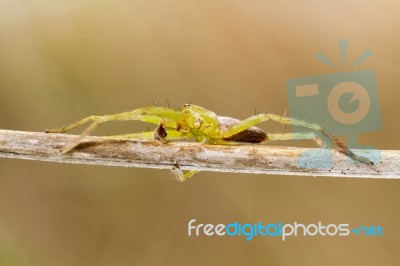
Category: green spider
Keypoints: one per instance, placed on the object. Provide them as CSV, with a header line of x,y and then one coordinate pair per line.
x,y
202,125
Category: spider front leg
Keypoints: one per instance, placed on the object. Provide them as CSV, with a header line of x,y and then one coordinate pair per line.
x,y
154,115
256,119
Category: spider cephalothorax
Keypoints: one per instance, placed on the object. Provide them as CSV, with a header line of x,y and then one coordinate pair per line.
x,y
206,123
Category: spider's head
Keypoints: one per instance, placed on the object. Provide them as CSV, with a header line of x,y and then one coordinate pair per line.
x,y
190,108
199,118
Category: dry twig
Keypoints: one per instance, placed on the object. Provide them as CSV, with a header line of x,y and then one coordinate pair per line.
x,y
256,159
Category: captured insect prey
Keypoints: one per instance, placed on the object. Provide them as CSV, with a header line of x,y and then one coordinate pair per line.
x,y
193,122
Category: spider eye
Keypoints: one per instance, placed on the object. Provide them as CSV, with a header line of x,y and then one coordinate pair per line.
x,y
186,105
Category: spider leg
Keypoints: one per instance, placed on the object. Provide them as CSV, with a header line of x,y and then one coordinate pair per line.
x,y
256,119
155,115
180,175
152,115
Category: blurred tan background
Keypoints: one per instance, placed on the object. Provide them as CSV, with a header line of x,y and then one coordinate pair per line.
x,y
63,60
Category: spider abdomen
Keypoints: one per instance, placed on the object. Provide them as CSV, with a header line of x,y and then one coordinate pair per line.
x,y
250,135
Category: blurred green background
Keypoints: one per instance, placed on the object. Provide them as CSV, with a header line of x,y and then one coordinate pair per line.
x,y
63,60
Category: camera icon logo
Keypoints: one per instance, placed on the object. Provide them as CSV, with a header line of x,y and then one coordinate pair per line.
x,y
344,103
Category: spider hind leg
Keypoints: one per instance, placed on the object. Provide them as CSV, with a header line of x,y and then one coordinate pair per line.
x,y
256,119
